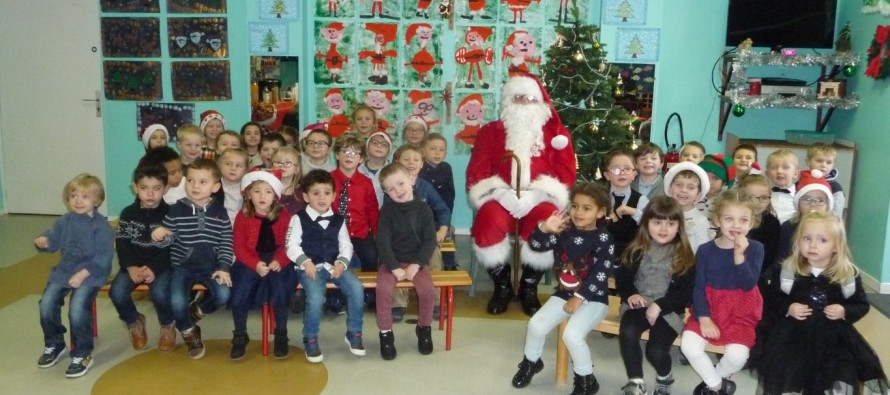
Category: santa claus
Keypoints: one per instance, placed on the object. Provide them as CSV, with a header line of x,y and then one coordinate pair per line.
x,y
527,149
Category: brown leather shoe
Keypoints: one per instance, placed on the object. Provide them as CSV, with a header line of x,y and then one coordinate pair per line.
x,y
138,337
192,339
167,340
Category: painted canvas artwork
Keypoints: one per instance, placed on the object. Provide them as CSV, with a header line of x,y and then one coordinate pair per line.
x,y
131,37
637,45
132,80
201,81
197,37
268,38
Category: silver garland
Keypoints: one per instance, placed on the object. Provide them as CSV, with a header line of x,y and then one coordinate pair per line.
x,y
752,58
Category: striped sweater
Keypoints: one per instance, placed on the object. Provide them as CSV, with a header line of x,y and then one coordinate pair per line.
x,y
202,236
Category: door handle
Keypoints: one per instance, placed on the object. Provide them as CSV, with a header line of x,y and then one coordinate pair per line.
x,y
98,104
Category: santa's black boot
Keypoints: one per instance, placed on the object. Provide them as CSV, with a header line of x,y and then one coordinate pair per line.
x,y
503,290
528,290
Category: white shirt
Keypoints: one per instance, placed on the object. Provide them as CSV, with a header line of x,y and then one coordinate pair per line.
x,y
175,193
294,238
698,228
233,200
641,205
783,204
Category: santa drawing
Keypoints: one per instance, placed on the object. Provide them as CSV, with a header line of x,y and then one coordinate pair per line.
x,y
422,62
384,33
423,7
475,8
471,112
521,49
336,104
543,170
518,7
424,107
474,55
333,60
381,102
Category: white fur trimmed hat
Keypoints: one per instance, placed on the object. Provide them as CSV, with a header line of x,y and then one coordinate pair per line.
x,y
271,177
210,115
677,168
150,130
381,134
808,183
418,120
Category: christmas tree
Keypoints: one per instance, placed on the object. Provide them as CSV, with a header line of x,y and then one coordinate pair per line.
x,y
270,41
581,85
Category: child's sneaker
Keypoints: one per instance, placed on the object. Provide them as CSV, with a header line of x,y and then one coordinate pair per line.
x,y
387,345
398,314
663,387
138,337
634,388
79,366
51,355
192,339
354,341
313,352
167,340
239,345
424,339
281,349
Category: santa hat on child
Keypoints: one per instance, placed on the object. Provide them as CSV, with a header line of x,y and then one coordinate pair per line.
x,y
309,128
412,31
418,120
482,31
511,39
416,96
210,115
716,164
381,134
150,130
813,181
385,30
271,177
705,182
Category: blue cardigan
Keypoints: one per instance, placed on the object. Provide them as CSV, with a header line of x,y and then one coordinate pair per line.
x,y
86,242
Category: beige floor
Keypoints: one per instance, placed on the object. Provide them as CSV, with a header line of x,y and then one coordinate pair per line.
x,y
482,361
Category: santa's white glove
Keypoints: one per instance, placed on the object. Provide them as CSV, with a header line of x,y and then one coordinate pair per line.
x,y
530,199
506,197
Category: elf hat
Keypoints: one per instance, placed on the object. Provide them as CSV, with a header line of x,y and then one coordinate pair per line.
x,y
412,31
385,30
716,164
808,182
271,177
469,99
150,130
705,182
418,120
336,26
210,115
381,134
482,31
511,39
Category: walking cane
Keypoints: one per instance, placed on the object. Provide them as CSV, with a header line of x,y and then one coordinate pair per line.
x,y
517,263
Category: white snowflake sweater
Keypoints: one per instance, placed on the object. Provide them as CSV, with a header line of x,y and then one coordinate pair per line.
x,y
593,255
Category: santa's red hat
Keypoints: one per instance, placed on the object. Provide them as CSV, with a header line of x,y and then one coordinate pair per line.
x,y
469,99
386,30
271,177
150,130
312,127
412,31
333,91
387,94
210,115
336,26
511,39
482,31
529,85
809,182
416,96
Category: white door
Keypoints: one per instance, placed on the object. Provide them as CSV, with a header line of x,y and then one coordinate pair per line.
x,y
49,79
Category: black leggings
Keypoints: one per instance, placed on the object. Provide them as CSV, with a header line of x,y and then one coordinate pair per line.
x,y
658,348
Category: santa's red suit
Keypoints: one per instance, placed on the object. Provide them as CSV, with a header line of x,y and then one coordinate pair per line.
x,y
546,173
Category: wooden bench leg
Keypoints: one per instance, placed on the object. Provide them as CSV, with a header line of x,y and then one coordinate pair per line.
x,y
95,320
265,329
562,356
449,318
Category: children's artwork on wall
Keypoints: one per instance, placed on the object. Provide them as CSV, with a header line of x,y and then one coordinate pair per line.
x,y
473,111
286,10
638,88
382,101
424,55
131,37
420,9
196,6
474,59
171,115
476,10
625,12
332,64
201,81
522,11
130,6
519,51
334,107
197,37
127,80
268,38
334,8
561,13
427,105
388,9
637,45
378,56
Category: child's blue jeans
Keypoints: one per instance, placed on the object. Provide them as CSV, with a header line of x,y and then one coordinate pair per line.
x,y
80,316
181,282
159,291
315,290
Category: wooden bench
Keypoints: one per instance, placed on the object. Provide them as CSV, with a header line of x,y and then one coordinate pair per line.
x,y
444,280
609,325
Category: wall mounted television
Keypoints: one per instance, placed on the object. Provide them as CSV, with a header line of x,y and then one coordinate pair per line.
x,y
785,23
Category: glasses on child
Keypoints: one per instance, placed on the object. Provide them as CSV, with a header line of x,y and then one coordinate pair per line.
x,y
813,201
762,198
311,143
619,170
349,152
379,143
283,165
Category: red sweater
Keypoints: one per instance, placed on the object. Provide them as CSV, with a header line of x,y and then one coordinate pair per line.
x,y
363,208
246,233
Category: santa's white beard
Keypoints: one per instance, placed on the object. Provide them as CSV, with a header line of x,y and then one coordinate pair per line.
x,y
523,124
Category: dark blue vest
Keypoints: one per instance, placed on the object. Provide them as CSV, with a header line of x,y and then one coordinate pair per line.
x,y
320,244
625,229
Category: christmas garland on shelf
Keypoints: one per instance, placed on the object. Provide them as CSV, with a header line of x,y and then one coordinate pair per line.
x,y
879,54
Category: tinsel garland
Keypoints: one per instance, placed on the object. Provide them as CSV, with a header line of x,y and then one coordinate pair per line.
x,y
752,58
810,102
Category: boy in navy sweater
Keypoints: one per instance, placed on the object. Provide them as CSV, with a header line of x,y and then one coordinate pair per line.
x,y
201,251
